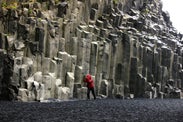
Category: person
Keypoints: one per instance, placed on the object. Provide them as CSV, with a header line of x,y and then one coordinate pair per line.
x,y
90,85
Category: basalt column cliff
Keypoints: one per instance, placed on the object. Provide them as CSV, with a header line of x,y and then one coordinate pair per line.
x,y
129,47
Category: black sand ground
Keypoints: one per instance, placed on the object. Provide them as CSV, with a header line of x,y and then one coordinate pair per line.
x,y
106,110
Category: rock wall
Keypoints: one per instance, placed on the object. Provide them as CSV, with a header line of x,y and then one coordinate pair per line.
x,y
129,47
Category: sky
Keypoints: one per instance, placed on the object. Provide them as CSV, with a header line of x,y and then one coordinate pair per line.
x,y
175,9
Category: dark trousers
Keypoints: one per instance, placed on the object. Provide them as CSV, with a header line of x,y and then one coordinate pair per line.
x,y
88,93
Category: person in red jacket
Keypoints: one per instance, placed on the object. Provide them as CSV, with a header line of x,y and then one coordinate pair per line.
x,y
90,85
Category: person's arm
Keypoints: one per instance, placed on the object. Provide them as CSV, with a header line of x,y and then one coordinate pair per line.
x,y
90,81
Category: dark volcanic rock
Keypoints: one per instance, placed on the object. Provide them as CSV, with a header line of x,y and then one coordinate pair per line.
x,y
130,48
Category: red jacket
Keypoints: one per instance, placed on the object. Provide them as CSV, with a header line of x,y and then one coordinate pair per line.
x,y
89,81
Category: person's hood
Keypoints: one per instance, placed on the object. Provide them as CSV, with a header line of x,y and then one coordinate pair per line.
x,y
88,76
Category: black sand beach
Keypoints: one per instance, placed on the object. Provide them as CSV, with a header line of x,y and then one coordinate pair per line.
x,y
105,110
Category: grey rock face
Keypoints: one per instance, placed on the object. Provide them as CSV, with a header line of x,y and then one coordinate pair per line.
x,y
129,47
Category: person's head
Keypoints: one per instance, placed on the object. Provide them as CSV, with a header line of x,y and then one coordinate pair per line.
x,y
88,76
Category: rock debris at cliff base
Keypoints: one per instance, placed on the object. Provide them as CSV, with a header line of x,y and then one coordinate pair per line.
x,y
129,47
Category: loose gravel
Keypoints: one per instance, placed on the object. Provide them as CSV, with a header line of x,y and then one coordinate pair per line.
x,y
105,110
